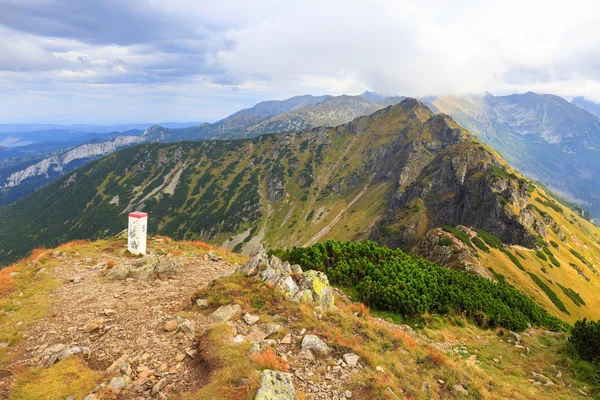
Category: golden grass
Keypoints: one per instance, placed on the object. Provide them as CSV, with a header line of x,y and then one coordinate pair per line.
x,y
70,377
267,359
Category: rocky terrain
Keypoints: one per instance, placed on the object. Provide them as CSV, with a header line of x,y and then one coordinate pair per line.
x,y
188,321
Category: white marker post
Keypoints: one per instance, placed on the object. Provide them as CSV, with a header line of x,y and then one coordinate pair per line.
x,y
136,234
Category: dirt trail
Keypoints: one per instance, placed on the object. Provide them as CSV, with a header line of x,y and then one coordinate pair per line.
x,y
132,315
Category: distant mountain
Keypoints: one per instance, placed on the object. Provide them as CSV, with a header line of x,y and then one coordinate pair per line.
x,y
369,177
270,108
589,106
280,116
544,136
17,180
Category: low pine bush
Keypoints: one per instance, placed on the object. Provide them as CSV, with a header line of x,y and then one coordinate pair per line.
x,y
391,280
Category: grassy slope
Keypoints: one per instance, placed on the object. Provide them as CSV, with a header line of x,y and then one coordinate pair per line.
x,y
583,237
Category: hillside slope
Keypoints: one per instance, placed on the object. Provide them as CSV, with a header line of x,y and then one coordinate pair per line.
x,y
77,326
397,176
543,136
324,182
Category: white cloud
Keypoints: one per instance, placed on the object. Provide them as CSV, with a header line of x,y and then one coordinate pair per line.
x,y
193,51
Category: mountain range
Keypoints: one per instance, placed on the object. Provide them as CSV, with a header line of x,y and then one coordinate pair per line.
x,y
28,171
543,136
402,176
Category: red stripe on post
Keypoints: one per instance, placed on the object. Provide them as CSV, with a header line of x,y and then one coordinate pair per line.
x,y
138,214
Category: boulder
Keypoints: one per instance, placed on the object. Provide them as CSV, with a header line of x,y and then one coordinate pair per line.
x,y
118,383
315,345
257,261
58,352
275,385
288,287
303,296
225,313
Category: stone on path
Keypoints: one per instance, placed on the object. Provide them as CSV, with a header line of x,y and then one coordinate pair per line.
x,y
315,345
170,325
251,319
351,359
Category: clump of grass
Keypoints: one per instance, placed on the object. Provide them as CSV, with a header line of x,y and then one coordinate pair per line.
x,y
550,293
70,377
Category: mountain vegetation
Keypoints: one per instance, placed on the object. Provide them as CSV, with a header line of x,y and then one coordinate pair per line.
x,y
391,280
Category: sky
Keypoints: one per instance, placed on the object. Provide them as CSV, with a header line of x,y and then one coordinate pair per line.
x,y
115,61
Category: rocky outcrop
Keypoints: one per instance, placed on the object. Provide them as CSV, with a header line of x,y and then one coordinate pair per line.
x,y
446,250
465,184
305,287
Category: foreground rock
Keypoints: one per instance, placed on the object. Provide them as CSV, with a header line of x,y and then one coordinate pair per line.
x,y
149,268
304,287
275,385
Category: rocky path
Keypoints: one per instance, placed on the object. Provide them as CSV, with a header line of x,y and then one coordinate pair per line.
x,y
127,319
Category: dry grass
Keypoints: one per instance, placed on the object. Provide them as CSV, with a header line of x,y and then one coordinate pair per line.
x,y
70,377
269,360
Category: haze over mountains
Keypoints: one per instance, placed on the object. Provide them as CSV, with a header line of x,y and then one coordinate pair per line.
x,y
25,173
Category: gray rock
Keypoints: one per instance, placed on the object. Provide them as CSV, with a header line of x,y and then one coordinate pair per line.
x,y
315,345
251,319
159,386
296,269
351,359
202,303
118,383
225,313
461,389
288,287
186,326
275,385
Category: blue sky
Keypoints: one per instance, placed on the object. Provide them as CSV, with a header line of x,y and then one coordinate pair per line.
x,y
110,61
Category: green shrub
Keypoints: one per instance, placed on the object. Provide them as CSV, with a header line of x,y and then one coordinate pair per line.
x,y
514,259
541,255
554,244
481,244
580,257
490,239
459,234
445,241
585,338
391,280
550,293
573,295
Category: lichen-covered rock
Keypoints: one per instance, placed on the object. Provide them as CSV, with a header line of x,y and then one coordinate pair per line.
x,y
58,352
326,299
225,313
258,260
288,287
275,385
304,296
316,281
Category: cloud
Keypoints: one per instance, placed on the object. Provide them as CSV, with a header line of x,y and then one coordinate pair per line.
x,y
228,53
